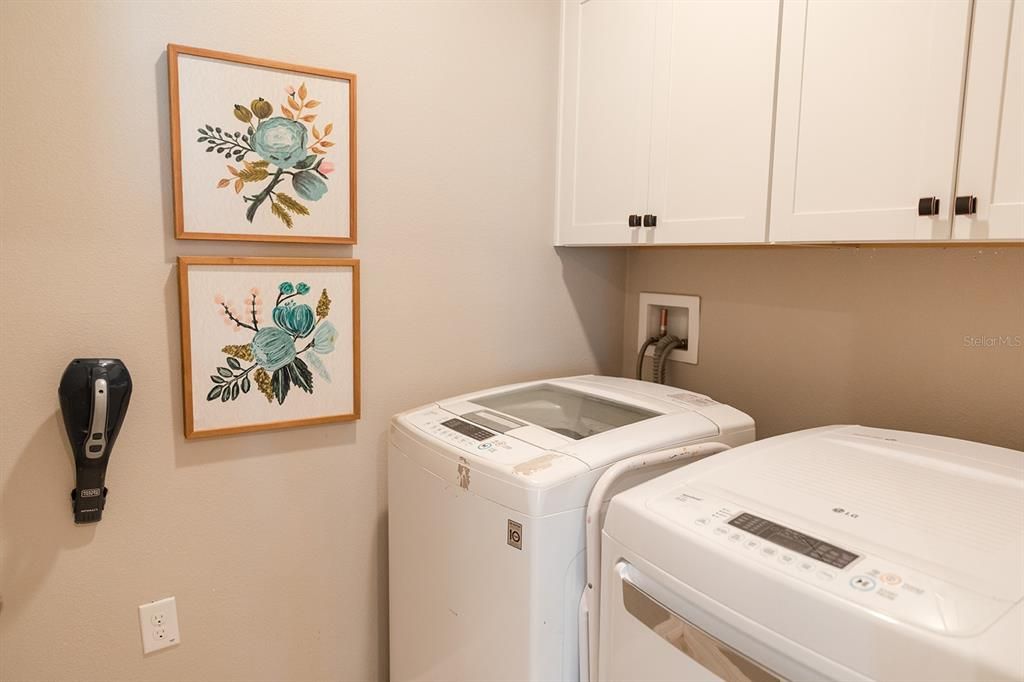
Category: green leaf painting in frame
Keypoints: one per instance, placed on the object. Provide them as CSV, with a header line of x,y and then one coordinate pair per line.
x,y
268,342
262,150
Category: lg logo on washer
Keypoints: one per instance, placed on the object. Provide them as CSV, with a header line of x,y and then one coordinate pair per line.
x,y
844,512
515,534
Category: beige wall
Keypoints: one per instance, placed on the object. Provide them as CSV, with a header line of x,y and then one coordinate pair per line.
x,y
272,543
802,337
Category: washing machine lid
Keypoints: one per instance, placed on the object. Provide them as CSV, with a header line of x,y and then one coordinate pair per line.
x,y
566,411
598,420
518,446
946,508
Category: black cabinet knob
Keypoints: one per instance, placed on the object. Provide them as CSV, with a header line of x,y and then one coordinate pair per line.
x,y
634,220
967,205
928,206
650,220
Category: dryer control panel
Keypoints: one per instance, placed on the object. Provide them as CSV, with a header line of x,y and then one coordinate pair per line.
x,y
794,540
874,582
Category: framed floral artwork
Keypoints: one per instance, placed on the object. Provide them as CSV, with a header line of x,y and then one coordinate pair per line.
x,y
262,150
268,343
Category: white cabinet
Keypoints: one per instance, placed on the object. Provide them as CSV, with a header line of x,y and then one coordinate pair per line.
x,y
666,115
992,143
867,119
607,86
711,150
746,121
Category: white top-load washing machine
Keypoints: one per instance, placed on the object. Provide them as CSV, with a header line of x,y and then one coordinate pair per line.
x,y
840,553
486,499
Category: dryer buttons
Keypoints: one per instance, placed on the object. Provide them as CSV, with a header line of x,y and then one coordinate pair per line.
x,y
862,583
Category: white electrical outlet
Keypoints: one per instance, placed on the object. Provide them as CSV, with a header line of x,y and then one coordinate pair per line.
x,y
159,623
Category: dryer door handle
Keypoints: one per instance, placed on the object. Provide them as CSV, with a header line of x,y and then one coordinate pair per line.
x,y
707,650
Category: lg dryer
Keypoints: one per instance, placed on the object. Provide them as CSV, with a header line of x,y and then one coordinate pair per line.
x,y
486,498
842,553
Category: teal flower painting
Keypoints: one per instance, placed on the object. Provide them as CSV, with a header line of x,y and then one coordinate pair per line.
x,y
281,355
272,150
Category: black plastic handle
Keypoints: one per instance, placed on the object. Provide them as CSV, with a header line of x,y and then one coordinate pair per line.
x,y
650,220
928,206
634,220
967,205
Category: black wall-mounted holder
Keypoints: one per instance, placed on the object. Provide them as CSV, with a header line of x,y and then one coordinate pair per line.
x,y
94,395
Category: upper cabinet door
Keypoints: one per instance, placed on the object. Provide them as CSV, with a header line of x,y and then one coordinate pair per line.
x,y
604,148
992,144
714,93
867,118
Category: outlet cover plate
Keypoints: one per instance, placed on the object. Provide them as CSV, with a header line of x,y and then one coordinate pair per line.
x,y
683,321
158,621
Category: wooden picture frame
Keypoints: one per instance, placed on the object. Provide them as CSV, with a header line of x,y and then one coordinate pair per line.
x,y
240,128
252,365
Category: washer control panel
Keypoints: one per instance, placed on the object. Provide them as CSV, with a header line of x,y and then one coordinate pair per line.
x,y
466,429
468,437
876,583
